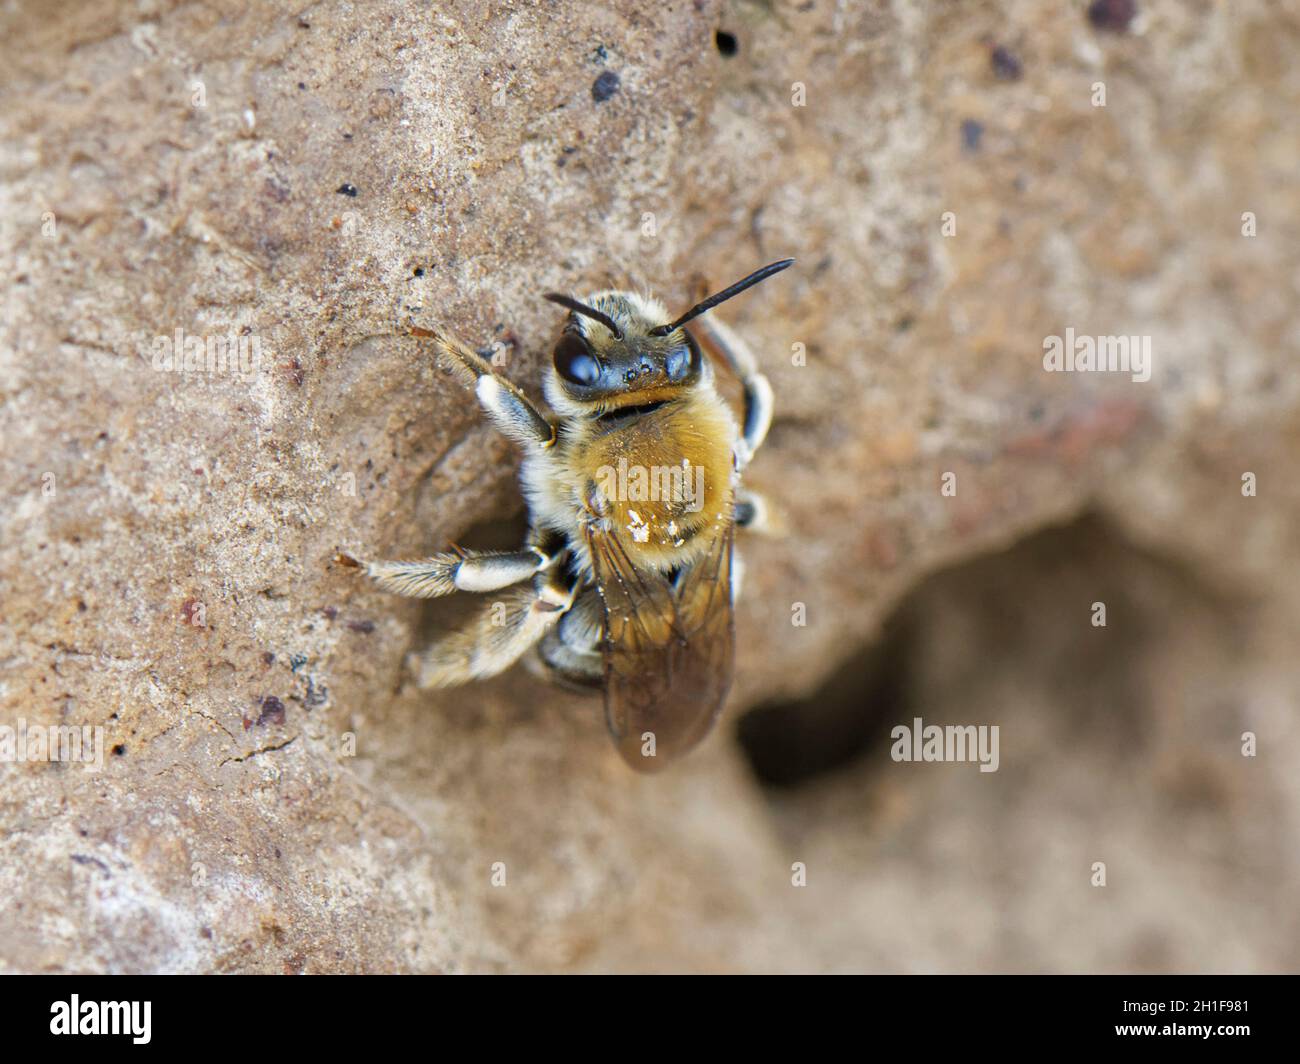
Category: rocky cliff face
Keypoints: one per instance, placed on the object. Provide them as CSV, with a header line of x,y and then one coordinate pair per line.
x,y
958,182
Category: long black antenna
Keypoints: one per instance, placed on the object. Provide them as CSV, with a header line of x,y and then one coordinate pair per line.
x,y
723,296
587,312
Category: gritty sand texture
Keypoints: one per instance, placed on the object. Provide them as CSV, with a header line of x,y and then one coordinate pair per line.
x,y
277,797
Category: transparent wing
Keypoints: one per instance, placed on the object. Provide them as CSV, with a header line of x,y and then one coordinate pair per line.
x,y
669,648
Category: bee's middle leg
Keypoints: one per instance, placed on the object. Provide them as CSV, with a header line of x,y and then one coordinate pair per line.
x,y
460,571
752,513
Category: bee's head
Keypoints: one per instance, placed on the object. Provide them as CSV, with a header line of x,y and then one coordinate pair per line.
x,y
609,356
619,349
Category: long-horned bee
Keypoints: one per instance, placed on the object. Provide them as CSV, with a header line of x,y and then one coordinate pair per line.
x,y
628,575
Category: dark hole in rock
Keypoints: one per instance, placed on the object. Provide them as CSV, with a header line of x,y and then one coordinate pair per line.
x,y
726,42
789,743
1015,626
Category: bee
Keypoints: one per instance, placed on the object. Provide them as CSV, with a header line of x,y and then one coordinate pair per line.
x,y
628,575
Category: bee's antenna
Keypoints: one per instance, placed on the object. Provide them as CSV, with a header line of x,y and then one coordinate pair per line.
x,y
586,312
723,296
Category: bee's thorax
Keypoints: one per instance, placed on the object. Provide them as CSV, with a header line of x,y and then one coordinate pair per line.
x,y
661,473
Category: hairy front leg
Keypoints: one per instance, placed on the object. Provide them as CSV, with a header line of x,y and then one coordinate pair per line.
x,y
508,408
724,343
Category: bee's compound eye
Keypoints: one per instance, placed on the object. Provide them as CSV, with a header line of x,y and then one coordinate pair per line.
x,y
682,361
574,362
678,363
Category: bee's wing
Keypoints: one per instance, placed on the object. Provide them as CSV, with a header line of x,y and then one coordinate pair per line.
x,y
669,648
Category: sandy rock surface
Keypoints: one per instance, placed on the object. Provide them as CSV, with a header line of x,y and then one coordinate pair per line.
x,y
276,796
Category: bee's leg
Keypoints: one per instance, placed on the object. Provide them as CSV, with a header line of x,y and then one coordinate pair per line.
x,y
751,511
501,634
723,343
507,407
460,571
752,515
572,649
